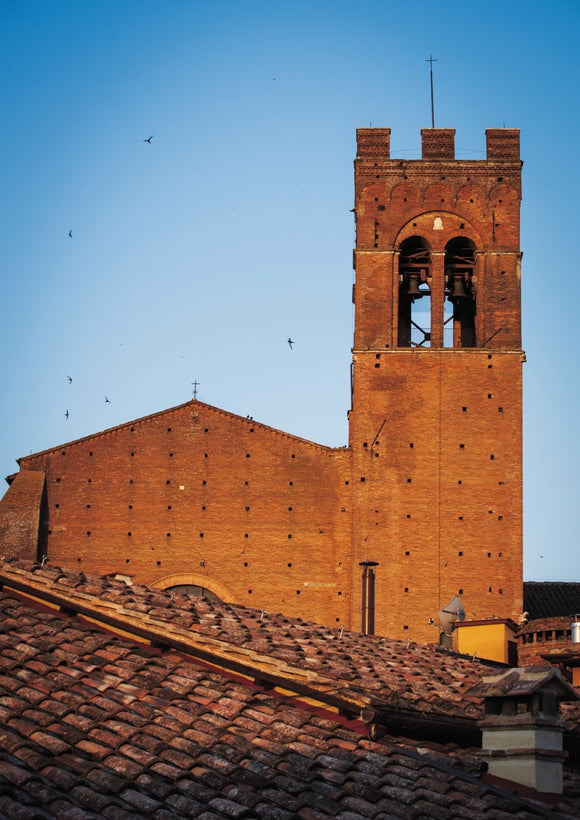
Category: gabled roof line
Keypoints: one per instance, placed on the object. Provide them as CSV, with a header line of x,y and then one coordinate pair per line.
x,y
169,410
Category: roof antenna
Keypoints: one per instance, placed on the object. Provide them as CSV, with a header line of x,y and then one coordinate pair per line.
x,y
431,61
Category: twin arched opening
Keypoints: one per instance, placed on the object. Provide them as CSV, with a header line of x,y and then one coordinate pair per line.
x,y
420,284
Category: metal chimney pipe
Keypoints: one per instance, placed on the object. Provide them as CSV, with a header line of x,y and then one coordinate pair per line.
x,y
368,597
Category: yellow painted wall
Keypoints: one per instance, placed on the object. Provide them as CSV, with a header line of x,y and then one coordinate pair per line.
x,y
489,641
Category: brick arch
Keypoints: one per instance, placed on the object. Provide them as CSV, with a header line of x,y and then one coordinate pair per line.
x,y
438,194
194,579
504,192
470,191
367,195
423,225
405,192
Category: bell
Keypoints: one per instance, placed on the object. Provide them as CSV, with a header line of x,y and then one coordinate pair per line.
x,y
459,291
413,290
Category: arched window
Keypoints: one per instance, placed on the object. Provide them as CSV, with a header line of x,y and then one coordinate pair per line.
x,y
414,293
459,316
194,591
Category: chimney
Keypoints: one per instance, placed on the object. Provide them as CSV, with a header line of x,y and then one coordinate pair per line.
x,y
521,729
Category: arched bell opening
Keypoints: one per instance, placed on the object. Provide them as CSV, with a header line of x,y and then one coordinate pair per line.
x,y
459,306
414,293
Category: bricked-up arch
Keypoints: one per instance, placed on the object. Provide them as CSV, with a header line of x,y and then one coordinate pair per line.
x,y
414,293
202,582
460,293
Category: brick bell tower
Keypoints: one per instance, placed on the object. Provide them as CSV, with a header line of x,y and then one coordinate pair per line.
x,y
436,418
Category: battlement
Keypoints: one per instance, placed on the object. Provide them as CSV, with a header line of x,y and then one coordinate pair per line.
x,y
438,143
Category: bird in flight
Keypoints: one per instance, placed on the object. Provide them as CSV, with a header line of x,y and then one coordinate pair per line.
x,y
66,414
70,234
149,139
290,343
69,379
107,400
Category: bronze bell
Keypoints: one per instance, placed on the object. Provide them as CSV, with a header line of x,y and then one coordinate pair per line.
x,y
458,291
413,289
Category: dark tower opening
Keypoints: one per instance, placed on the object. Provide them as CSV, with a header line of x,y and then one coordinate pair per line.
x,y
414,293
459,322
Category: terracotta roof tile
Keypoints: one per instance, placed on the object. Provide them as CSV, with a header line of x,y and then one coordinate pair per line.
x,y
155,736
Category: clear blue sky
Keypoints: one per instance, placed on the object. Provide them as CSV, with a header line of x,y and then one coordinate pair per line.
x,y
194,257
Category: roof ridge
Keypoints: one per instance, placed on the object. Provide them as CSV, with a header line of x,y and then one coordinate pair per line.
x,y
168,410
223,654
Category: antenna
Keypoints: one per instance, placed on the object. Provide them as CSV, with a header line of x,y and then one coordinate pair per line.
x,y
431,61
451,612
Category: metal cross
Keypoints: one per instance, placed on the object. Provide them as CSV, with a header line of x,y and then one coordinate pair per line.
x,y
195,385
431,61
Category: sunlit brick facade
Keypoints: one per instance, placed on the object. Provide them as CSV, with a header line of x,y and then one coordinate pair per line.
x,y
430,484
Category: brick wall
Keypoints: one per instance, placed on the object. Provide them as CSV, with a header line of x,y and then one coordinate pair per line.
x,y
431,483
435,431
200,495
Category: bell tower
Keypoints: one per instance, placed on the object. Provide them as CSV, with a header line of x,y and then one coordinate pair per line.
x,y
436,415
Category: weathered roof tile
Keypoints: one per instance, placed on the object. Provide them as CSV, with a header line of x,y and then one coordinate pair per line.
x,y
183,741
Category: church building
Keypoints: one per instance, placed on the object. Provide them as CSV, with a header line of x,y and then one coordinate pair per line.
x,y
425,502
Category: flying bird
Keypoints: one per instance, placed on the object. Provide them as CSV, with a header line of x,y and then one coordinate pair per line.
x,y
69,379
290,343
107,401
149,139
66,414
70,234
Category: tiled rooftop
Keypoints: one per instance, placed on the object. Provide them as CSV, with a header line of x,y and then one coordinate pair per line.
x,y
98,725
549,599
